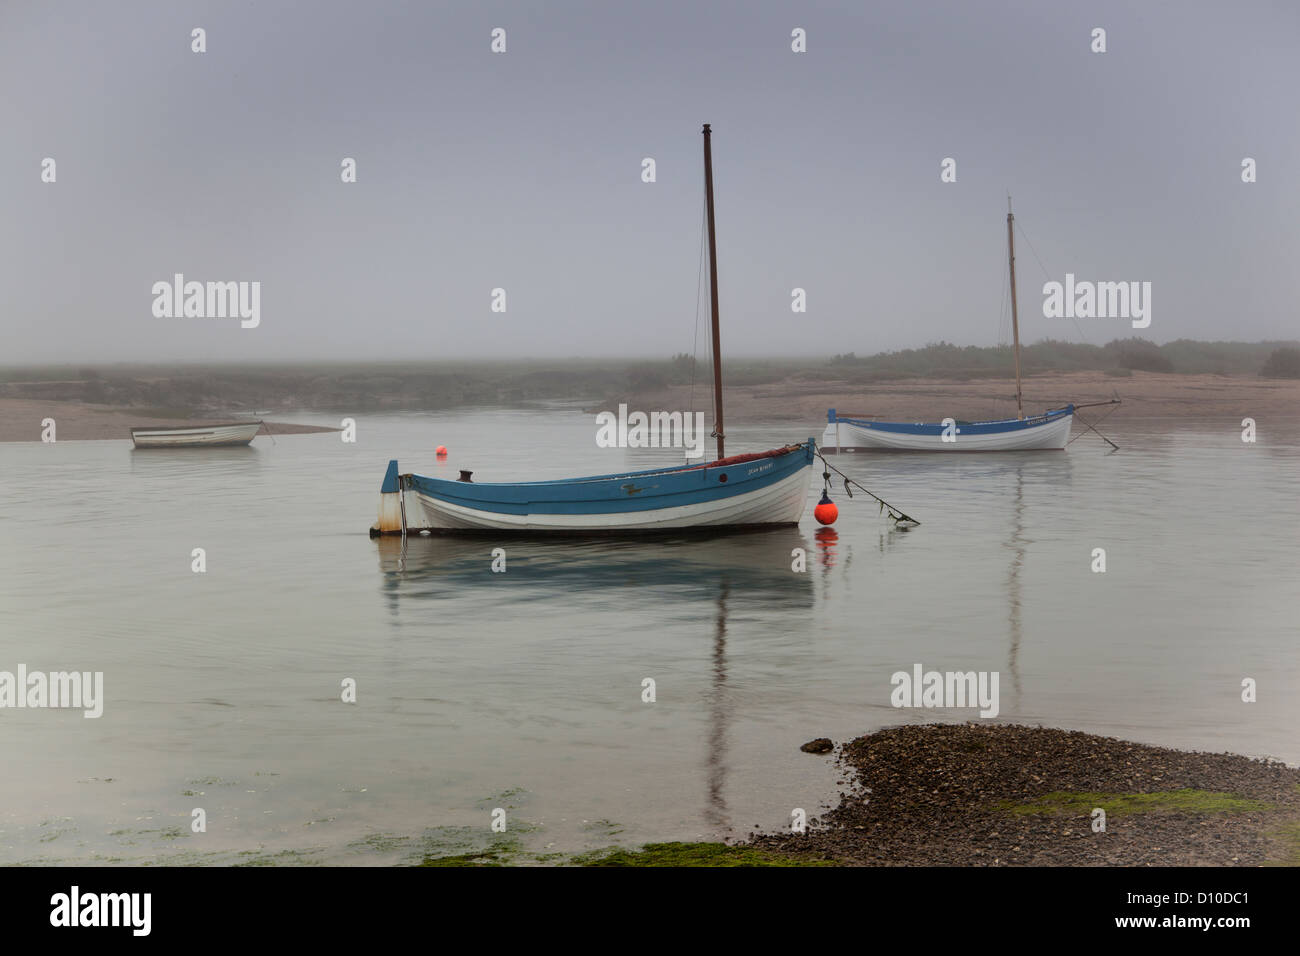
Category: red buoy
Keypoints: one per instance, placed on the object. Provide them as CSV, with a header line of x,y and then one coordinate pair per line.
x,y
442,451
826,512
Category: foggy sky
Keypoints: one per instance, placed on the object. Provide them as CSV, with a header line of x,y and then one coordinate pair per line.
x,y
522,170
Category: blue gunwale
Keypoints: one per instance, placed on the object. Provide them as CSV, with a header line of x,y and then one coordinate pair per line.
x,y
967,428
620,492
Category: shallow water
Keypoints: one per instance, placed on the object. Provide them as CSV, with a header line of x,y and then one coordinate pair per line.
x,y
523,690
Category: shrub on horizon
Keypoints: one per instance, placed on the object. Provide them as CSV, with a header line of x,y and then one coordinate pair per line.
x,y
1282,363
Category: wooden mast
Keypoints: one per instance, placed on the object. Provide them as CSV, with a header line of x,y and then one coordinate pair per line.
x,y
713,294
1015,319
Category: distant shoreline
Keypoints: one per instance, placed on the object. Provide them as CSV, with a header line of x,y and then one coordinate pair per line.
x,y
20,421
802,398
1144,396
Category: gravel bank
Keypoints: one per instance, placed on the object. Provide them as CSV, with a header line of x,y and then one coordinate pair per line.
x,y
999,795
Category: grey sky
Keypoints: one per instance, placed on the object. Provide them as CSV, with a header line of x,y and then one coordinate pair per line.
x,y
522,170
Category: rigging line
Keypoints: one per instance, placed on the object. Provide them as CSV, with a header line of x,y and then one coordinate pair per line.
x,y
895,513
1003,318
699,283
1024,236
1002,304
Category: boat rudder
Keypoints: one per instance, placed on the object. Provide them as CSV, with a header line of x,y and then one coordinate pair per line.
x,y
390,503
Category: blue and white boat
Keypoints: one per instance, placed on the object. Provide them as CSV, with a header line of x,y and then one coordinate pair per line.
x,y
1048,431
763,490
1051,430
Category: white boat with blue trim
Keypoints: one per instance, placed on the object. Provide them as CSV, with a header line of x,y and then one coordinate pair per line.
x,y
1048,431
767,489
1051,430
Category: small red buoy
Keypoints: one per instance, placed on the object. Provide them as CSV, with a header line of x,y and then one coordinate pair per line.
x,y
442,451
826,512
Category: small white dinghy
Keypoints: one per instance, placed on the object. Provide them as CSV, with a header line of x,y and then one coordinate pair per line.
x,y
196,436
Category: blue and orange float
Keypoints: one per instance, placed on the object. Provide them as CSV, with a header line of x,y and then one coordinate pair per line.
x,y
826,512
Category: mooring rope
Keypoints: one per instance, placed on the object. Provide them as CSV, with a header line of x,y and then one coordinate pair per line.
x,y
1114,402
895,514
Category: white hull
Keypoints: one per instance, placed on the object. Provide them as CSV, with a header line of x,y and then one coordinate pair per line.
x,y
197,436
781,503
1052,435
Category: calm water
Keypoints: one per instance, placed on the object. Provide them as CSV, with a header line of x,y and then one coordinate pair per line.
x,y
523,690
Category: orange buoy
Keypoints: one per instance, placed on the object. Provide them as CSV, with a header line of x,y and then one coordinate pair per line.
x,y
442,451
826,512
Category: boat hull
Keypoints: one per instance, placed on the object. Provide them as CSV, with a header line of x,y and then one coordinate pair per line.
x,y
197,436
1046,432
748,492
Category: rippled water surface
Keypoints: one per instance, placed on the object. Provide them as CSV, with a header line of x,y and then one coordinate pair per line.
x,y
523,690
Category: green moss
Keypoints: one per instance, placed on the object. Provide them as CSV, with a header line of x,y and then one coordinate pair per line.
x,y
259,858
486,858
1289,837
604,827
694,854
381,843
508,799
501,852
1186,800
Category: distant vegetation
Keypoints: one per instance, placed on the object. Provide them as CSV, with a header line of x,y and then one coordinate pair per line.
x,y
942,360
1283,363
378,386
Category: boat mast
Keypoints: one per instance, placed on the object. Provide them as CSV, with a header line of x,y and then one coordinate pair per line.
x,y
1015,319
713,293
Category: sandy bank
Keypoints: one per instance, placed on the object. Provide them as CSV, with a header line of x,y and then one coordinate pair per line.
x,y
20,420
1145,395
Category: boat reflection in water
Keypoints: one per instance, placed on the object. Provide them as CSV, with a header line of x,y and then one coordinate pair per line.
x,y
644,589
208,463
719,711
1014,613
756,566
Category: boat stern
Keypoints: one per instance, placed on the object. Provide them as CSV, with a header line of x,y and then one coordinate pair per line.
x,y
390,504
831,436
